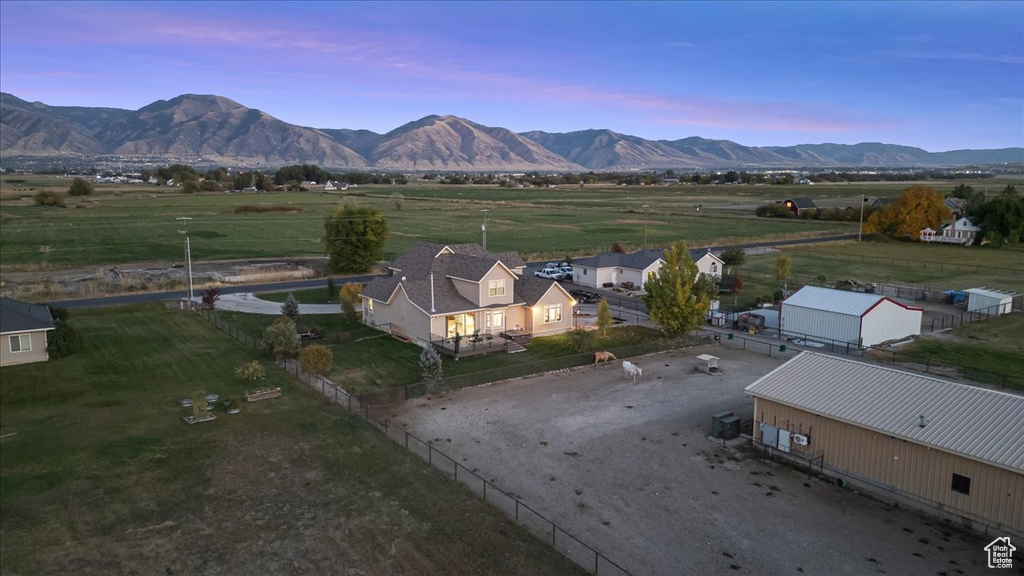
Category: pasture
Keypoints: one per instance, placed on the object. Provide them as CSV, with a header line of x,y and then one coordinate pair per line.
x,y
123,223
100,475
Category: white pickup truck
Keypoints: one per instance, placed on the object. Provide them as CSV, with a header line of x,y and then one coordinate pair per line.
x,y
550,273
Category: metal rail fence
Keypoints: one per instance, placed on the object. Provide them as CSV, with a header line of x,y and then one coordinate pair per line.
x,y
565,542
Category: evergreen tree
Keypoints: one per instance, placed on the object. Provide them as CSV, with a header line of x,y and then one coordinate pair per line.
x,y
290,308
673,300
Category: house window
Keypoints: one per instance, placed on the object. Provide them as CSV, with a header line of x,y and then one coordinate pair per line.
x,y
553,313
496,288
961,484
21,343
584,271
714,268
493,320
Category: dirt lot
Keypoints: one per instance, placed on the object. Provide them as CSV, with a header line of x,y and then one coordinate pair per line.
x,y
629,468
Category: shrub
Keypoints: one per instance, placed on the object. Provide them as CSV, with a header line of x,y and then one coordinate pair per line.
x,y
49,198
578,339
431,369
251,372
79,187
209,298
316,359
280,340
349,297
249,209
64,340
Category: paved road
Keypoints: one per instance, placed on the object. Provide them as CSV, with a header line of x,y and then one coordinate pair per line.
x,y
322,282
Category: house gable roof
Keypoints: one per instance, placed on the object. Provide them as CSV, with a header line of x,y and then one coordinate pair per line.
x,y
802,203
18,316
970,421
707,254
532,289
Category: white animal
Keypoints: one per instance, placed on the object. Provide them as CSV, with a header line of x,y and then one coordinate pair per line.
x,y
631,370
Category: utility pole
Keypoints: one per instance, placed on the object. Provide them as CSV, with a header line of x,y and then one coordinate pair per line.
x,y
645,207
188,257
483,227
860,230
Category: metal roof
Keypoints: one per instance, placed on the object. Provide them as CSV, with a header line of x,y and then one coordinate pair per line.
x,y
990,294
829,300
966,420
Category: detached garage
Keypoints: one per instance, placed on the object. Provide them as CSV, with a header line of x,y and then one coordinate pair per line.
x,y
951,446
837,316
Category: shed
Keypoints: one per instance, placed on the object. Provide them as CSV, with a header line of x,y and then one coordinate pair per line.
x,y
841,317
987,301
957,447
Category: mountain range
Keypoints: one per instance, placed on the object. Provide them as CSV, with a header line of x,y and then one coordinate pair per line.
x,y
214,129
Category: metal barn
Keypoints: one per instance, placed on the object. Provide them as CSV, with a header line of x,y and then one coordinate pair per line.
x,y
989,302
955,449
838,316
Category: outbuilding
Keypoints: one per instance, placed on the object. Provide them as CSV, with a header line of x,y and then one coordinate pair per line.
x,y
987,301
841,317
956,448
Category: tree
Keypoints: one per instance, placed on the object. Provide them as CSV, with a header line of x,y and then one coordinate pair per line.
x,y
49,198
354,239
783,268
604,317
199,404
209,297
918,207
290,308
64,340
578,339
1001,219
280,340
617,248
251,372
316,359
431,370
79,187
737,285
734,257
349,297
330,288
670,296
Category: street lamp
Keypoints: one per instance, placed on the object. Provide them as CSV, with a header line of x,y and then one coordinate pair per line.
x,y
483,227
188,257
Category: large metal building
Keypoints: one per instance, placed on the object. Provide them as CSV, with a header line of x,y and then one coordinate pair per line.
x,y
956,448
838,316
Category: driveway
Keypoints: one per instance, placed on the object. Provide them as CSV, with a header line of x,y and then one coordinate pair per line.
x,y
248,302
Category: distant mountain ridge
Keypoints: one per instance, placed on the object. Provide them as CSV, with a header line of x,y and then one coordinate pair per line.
x,y
221,130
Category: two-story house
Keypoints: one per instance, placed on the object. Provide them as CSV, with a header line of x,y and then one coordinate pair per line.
x,y
461,298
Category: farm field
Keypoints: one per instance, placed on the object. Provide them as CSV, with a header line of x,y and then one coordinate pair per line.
x,y
996,344
100,475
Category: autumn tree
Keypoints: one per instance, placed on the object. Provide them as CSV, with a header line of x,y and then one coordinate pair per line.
x,y
280,340
355,238
783,268
673,299
316,359
349,297
919,207
604,317
251,372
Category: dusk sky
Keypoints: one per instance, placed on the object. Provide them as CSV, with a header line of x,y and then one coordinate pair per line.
x,y
940,76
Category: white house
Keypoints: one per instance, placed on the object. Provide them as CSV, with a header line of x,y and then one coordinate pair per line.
x,y
709,264
962,232
23,329
613,268
840,317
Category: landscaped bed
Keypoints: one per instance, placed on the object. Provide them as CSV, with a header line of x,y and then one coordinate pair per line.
x,y
100,475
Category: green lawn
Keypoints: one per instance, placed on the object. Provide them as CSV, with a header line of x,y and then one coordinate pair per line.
x,y
98,474
310,296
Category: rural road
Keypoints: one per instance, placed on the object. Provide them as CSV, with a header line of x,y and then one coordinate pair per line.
x,y
322,282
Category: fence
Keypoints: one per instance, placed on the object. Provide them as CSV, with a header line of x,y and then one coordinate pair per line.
x,y
560,539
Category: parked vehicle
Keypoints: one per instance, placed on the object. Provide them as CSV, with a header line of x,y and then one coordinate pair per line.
x,y
566,270
550,273
585,297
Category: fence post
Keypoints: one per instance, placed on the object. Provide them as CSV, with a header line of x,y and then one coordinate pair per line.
x,y
430,454
553,528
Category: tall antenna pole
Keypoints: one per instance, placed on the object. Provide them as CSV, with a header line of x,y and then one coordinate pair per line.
x,y
483,227
188,256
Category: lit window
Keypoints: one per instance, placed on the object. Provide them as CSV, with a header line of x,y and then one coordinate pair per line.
x,y
553,313
369,304
496,288
961,484
21,343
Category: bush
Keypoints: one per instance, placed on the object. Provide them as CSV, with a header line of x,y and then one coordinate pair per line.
x,y
431,369
209,298
280,340
64,340
49,198
349,297
774,211
316,359
79,187
251,372
579,340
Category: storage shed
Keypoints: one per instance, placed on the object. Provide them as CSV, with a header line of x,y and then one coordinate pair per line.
x,y
954,447
991,302
837,316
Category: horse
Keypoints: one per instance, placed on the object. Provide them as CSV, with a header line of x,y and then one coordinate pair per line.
x,y
631,370
604,356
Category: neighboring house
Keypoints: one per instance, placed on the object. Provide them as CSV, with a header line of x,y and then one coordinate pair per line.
x,y
330,186
872,202
956,205
955,447
437,294
799,205
23,329
841,317
709,264
962,232
610,269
